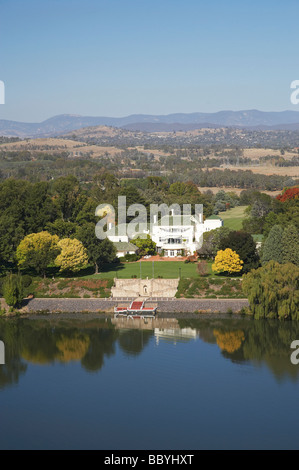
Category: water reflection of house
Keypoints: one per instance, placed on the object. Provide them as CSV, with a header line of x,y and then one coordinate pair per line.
x,y
175,335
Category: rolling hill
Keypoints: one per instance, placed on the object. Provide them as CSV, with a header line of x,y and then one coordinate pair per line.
x,y
66,123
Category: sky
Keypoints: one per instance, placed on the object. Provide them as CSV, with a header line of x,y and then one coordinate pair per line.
x,y
122,57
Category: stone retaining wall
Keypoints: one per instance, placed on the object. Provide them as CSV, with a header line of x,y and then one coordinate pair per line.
x,y
107,305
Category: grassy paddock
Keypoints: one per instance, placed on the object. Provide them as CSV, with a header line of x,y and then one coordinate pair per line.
x,y
165,269
233,218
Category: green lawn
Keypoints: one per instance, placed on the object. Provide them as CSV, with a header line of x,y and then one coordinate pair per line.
x,y
166,269
258,237
233,217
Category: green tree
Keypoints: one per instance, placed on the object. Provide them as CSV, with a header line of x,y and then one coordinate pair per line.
x,y
243,244
13,291
253,224
24,208
273,291
37,251
212,241
272,247
61,228
99,251
270,220
133,196
87,213
67,191
105,187
290,245
261,205
146,245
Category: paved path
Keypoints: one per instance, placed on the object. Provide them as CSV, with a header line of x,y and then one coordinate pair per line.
x,y
164,306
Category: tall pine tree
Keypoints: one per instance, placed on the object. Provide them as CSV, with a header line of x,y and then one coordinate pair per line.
x,y
290,245
272,247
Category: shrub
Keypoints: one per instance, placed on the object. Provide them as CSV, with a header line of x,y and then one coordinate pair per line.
x,y
13,289
202,268
131,257
27,280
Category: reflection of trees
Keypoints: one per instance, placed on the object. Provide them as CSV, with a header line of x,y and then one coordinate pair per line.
x,y
74,348
101,345
45,342
132,342
39,344
229,341
265,341
269,342
10,334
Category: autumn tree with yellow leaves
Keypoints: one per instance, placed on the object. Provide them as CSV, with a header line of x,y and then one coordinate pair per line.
x,y
73,255
227,262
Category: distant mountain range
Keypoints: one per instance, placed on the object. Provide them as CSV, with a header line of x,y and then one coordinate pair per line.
x,y
65,123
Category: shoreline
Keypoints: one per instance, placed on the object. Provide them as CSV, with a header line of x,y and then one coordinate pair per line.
x,y
106,305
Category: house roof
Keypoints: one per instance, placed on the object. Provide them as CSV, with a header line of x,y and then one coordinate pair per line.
x,y
125,246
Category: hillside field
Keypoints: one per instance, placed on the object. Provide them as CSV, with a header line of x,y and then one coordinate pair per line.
x,y
233,218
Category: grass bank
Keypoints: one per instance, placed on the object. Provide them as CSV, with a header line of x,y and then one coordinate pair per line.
x,y
233,218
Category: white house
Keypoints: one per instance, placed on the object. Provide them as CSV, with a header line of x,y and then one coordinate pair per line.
x,y
174,235
117,233
178,235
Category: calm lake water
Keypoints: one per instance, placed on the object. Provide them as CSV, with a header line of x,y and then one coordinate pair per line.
x,y
190,384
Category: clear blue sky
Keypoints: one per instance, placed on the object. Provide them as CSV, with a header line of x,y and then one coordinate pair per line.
x,y
120,57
